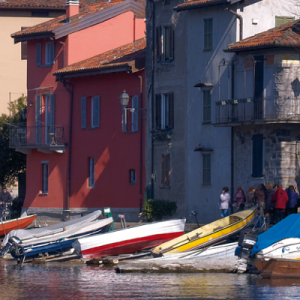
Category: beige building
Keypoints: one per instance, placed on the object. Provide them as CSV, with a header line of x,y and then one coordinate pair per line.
x,y
15,15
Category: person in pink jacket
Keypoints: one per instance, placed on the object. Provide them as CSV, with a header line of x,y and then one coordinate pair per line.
x,y
279,198
224,202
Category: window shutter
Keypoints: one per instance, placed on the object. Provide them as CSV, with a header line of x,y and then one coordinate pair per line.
x,y
171,110
257,155
52,56
158,43
135,114
95,111
52,112
158,111
83,112
38,54
38,119
172,43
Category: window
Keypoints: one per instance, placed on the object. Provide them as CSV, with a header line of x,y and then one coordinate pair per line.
x,y
24,47
165,176
45,174
91,172
92,119
38,54
208,34
206,169
164,111
165,43
206,106
49,53
257,155
279,20
132,176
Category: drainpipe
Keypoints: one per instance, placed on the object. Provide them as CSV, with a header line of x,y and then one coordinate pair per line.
x,y
69,87
152,97
241,21
141,142
232,134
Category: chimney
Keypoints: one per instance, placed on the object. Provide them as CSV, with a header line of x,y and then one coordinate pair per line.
x,y
72,8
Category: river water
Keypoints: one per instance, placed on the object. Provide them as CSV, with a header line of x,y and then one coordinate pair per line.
x,y
78,281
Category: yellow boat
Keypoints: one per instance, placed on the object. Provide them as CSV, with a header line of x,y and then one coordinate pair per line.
x,y
208,234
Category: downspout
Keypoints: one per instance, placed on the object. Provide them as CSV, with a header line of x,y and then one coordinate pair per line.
x,y
241,21
70,89
141,142
152,98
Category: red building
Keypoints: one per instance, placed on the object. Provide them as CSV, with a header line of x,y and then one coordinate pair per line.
x,y
81,155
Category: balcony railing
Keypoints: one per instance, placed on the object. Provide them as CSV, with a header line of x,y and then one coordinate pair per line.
x,y
21,135
249,110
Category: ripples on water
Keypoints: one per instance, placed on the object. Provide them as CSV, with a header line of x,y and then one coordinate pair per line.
x,y
68,281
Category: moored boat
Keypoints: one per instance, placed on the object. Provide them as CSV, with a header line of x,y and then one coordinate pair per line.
x,y
128,240
208,234
18,223
55,238
279,268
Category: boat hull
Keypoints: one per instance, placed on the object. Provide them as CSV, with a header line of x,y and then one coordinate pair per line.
x,y
278,268
128,246
129,240
207,235
19,223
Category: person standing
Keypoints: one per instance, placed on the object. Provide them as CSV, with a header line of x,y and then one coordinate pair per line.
x,y
5,198
280,198
291,205
250,200
270,207
240,199
224,202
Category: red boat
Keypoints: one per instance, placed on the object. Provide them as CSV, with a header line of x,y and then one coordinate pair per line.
x,y
128,240
19,223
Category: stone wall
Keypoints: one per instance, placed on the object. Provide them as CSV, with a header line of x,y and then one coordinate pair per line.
x,y
280,155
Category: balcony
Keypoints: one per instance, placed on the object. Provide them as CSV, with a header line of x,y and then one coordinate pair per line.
x,y
47,139
257,111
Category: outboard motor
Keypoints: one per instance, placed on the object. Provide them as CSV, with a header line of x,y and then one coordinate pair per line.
x,y
11,246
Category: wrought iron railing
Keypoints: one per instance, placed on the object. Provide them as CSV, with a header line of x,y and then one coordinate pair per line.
x,y
263,109
21,135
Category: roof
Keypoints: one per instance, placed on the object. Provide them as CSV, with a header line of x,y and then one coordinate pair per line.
x,y
193,4
286,35
41,4
130,57
88,15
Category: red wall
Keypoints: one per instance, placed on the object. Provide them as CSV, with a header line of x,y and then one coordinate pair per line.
x,y
114,151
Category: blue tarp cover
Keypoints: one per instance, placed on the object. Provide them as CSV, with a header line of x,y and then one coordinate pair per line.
x,y
287,228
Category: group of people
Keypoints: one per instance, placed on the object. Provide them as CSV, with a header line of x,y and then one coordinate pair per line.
x,y
272,200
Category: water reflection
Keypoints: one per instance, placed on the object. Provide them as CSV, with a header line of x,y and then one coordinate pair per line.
x,y
69,281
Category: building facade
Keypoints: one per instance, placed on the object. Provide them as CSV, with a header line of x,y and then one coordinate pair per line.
x,y
68,166
190,157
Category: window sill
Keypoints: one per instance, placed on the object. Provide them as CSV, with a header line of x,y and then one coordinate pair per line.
x,y
207,50
45,66
206,123
41,194
165,187
206,185
132,183
91,187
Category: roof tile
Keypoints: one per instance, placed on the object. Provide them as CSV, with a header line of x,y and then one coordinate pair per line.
x,y
286,35
122,56
50,25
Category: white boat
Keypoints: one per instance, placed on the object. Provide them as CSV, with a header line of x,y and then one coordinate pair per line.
x,y
288,248
55,238
128,240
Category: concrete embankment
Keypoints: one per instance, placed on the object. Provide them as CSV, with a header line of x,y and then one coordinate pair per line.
x,y
213,265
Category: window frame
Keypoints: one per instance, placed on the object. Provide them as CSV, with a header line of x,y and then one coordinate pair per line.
x,y
91,177
206,106
208,34
164,111
165,43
